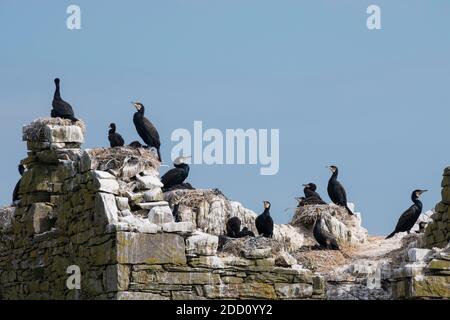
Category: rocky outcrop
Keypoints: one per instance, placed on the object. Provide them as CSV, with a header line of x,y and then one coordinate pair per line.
x,y
209,210
103,211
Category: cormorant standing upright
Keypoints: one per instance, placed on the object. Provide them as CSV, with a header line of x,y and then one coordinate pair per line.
x,y
408,219
61,109
176,175
336,190
324,238
17,187
115,139
264,222
146,130
233,227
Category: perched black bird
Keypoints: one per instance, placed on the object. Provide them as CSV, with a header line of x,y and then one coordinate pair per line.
x,y
264,222
323,237
336,190
246,233
135,145
177,175
176,212
408,219
115,139
310,191
17,187
61,109
146,129
233,227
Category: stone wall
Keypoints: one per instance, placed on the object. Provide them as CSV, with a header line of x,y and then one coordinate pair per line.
x,y
103,210
437,233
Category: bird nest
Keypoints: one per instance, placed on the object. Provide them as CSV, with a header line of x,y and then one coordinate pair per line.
x,y
123,161
240,246
193,198
35,130
306,215
321,260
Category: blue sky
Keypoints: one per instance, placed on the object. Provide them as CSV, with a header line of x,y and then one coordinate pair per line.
x,y
375,103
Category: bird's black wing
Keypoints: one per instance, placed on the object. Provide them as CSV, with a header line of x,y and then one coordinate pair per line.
x,y
62,108
171,178
407,219
152,133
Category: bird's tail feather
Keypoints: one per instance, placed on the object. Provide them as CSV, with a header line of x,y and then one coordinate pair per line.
x,y
391,235
73,118
348,209
159,155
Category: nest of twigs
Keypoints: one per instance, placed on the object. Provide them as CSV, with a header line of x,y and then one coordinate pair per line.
x,y
193,198
116,159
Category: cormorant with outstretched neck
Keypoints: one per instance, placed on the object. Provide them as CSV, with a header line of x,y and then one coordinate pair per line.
x,y
323,237
61,109
336,190
233,227
146,130
264,222
17,187
177,175
115,139
408,219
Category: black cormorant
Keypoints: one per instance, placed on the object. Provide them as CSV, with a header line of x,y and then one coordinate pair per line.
x,y
408,219
17,187
336,190
61,109
146,129
264,222
323,237
135,145
233,227
115,139
177,175
310,191
246,233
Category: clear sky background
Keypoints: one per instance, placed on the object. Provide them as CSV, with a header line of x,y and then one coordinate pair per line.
x,y
375,103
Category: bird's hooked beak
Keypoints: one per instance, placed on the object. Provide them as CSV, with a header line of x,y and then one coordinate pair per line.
x,y
421,191
134,104
331,168
305,185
